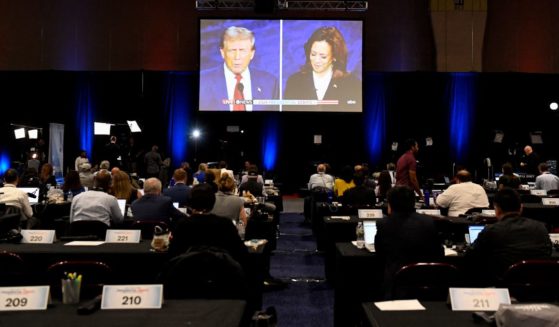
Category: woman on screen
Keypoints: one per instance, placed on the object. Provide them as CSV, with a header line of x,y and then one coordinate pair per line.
x,y
324,76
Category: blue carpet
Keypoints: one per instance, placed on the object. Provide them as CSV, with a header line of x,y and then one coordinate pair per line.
x,y
308,300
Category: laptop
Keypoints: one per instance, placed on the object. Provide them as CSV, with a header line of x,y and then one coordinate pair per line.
x,y
370,229
473,233
122,206
32,194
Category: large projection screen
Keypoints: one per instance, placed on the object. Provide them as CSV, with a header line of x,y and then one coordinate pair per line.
x,y
281,65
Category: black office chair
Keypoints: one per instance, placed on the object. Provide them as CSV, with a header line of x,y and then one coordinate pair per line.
x,y
147,227
204,272
94,228
533,280
428,281
553,193
530,198
475,210
95,274
13,270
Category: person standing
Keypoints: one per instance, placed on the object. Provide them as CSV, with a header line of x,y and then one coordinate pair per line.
x,y
153,162
530,161
406,168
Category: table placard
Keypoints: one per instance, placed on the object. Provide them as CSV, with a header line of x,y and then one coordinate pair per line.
x,y
554,238
538,192
340,217
550,201
123,236
37,236
132,297
478,299
24,298
369,213
429,212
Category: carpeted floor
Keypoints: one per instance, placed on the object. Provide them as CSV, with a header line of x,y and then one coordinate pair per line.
x,y
308,300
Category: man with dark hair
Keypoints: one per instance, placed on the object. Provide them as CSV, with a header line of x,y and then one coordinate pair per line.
x,y
463,196
252,184
12,196
205,229
546,180
96,203
405,236
360,195
406,168
512,239
153,205
180,192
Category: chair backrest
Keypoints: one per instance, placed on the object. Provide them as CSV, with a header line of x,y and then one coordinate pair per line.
x,y
553,193
88,227
13,271
530,198
427,281
533,280
475,210
204,272
95,274
147,227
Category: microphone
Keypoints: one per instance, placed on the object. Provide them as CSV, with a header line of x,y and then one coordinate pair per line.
x,y
240,87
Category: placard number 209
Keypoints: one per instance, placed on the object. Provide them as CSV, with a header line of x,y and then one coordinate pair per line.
x,y
131,300
15,302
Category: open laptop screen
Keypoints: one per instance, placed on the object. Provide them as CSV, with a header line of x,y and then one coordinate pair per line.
x,y
32,194
370,228
474,231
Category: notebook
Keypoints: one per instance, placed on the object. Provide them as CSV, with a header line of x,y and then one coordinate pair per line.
x,y
32,194
473,232
370,229
122,206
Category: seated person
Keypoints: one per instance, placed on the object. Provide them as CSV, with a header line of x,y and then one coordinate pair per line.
x,y
512,239
253,169
344,182
14,197
227,203
463,196
252,184
405,236
360,195
508,179
321,178
153,206
96,203
180,192
205,229
546,180
72,185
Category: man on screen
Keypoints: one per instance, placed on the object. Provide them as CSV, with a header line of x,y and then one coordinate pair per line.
x,y
233,85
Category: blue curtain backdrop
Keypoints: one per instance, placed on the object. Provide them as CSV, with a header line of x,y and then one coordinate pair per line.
x,y
178,99
375,116
85,113
461,99
4,161
270,137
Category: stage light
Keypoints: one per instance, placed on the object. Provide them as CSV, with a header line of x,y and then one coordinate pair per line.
x,y
429,141
19,133
536,137
33,134
134,127
553,106
394,146
499,135
101,128
196,133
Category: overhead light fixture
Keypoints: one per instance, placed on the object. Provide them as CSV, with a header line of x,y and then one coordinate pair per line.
x,y
134,127
498,138
101,128
19,133
196,133
428,141
33,134
553,106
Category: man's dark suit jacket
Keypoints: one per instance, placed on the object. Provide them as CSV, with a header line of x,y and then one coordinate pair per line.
x,y
213,89
406,238
359,196
156,208
178,193
207,230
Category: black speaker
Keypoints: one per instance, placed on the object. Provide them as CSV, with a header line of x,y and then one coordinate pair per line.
x,y
264,6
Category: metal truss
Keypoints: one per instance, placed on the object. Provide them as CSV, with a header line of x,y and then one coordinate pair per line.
x,y
333,5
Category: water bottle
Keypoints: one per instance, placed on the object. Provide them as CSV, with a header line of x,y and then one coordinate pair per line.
x,y
426,195
360,235
70,196
241,229
330,196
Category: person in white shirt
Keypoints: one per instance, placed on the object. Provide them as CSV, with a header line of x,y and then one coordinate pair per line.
x,y
12,196
546,180
81,159
461,197
321,179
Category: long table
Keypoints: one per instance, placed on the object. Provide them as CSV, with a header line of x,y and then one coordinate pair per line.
x,y
227,313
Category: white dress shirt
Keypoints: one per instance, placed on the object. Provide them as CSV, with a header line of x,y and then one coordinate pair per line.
x,y
459,198
12,196
231,82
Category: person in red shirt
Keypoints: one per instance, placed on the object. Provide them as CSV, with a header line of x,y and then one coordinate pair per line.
x,y
406,167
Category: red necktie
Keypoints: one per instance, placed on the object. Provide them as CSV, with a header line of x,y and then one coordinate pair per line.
x,y
238,95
